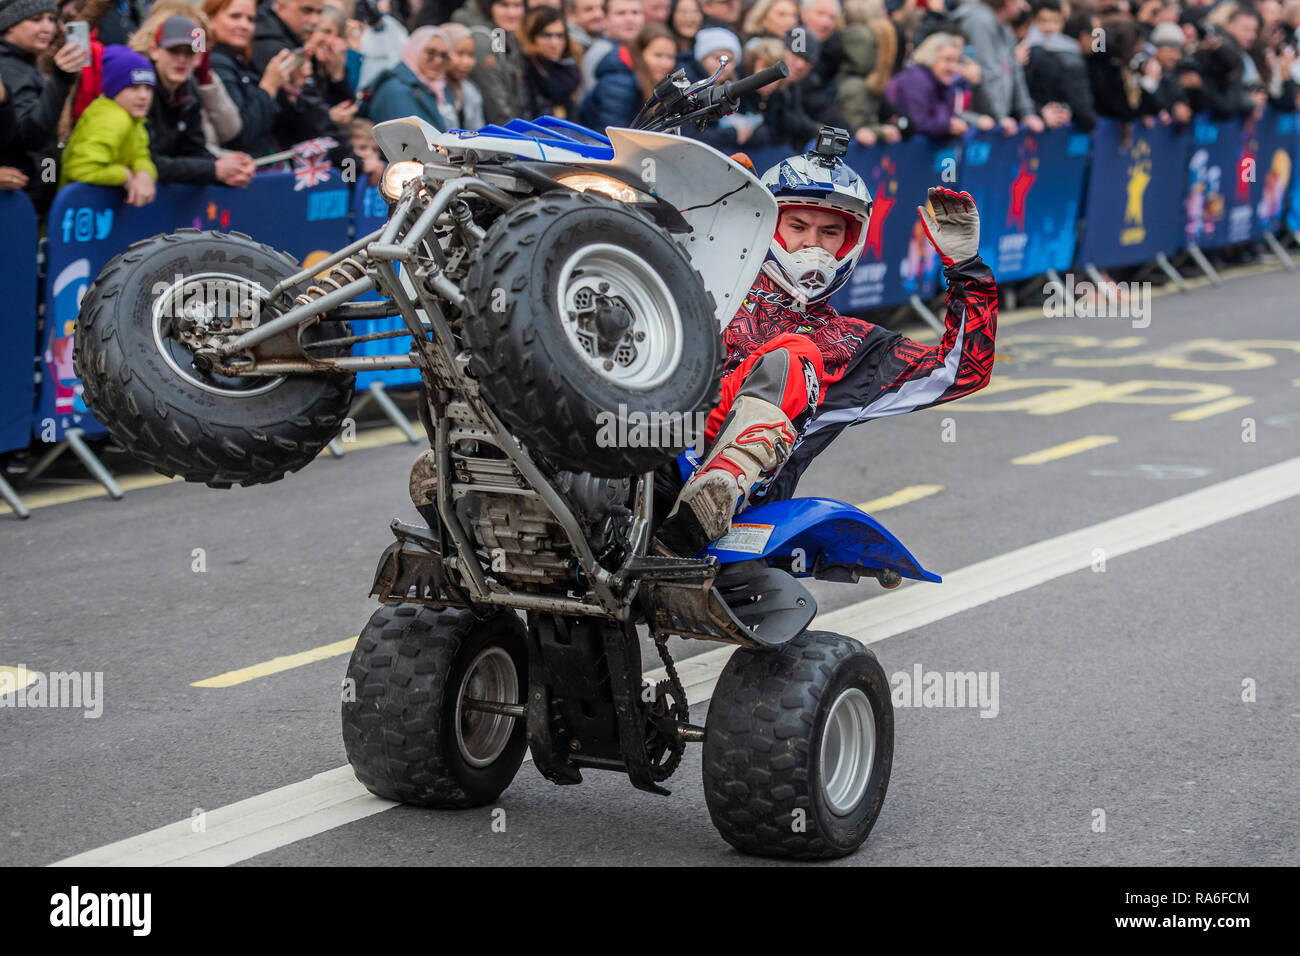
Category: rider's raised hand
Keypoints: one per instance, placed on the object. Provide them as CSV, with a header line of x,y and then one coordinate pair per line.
x,y
951,223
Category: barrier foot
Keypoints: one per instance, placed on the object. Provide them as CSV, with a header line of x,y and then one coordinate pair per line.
x,y
93,464
335,448
1098,280
1168,269
1287,263
1198,257
918,306
380,395
72,439
9,495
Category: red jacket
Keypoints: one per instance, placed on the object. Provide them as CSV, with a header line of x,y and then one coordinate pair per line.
x,y
91,77
869,371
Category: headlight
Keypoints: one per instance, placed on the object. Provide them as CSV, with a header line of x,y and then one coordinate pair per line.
x,y
599,183
396,176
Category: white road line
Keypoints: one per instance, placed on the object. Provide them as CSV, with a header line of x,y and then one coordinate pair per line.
x,y
271,820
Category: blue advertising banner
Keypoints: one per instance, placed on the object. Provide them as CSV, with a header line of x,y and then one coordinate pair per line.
x,y
1293,206
18,238
898,261
1220,170
370,212
1028,189
1134,205
1273,169
1237,178
88,225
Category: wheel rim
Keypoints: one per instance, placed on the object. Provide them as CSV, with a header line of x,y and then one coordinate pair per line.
x,y
482,737
206,299
848,751
619,316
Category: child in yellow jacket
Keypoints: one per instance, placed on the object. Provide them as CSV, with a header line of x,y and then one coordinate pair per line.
x,y
109,145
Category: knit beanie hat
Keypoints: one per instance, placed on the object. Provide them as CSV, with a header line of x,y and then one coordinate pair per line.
x,y
123,67
712,39
14,12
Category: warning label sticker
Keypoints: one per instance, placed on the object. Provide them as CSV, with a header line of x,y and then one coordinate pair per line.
x,y
748,538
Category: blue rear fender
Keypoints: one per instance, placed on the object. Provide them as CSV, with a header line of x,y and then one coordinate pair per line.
x,y
826,533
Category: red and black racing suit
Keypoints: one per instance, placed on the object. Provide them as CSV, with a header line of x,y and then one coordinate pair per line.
x,y
828,371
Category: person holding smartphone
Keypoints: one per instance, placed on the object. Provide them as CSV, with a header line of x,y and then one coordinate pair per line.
x,y
27,29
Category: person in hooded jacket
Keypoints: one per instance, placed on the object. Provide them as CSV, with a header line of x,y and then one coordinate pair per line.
x,y
1057,71
499,57
417,85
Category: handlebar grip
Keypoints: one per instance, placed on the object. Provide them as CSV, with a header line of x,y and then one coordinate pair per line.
x,y
734,91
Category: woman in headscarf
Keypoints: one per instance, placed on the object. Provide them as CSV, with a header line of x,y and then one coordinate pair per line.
x,y
418,85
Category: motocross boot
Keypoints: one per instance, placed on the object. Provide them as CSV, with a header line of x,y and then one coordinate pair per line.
x,y
754,441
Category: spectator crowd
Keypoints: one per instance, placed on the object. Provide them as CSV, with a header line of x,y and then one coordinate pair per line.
x,y
213,92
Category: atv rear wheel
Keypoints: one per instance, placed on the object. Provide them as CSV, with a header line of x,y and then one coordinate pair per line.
x,y
798,746
592,336
141,381
409,734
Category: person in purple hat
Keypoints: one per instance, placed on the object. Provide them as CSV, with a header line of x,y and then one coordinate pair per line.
x,y
110,145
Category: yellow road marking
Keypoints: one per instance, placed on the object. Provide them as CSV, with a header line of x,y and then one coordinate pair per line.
x,y
1296,383
1087,443
371,438
1131,342
15,678
902,497
1214,408
376,438
277,664
79,492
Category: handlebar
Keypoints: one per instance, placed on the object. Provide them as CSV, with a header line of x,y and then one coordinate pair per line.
x,y
735,90
679,104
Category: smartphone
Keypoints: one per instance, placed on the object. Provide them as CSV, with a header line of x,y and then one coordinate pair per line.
x,y
77,33
299,57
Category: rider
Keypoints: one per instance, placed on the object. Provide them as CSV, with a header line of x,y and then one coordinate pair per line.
x,y
797,372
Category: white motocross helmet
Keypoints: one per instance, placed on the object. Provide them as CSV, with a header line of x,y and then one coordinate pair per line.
x,y
819,179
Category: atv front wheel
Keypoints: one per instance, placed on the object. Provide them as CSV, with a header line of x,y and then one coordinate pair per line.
x,y
592,336
409,733
798,746
134,356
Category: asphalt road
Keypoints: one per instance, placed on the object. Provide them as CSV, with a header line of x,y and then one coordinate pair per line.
x,y
1119,692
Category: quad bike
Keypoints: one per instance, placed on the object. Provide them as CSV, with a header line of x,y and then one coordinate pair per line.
x,y
551,277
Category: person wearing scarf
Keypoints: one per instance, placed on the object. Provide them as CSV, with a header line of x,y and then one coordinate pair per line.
x,y
418,85
551,73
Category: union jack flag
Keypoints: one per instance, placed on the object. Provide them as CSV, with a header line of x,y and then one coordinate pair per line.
x,y
310,148
310,171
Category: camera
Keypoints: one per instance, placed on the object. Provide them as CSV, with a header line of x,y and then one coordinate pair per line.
x,y
832,143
